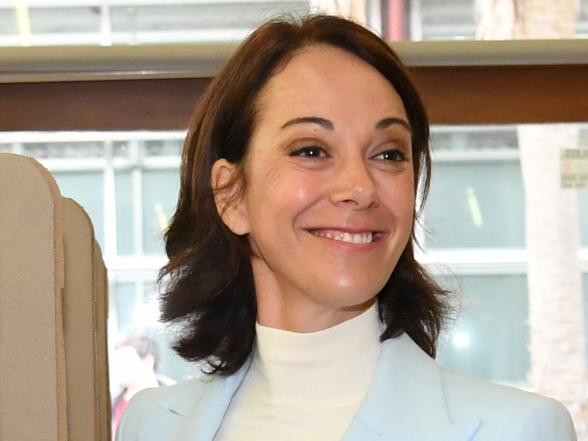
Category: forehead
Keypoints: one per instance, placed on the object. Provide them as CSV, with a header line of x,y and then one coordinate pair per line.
x,y
321,79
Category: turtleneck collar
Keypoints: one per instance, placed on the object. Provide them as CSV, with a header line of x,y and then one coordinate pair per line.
x,y
334,365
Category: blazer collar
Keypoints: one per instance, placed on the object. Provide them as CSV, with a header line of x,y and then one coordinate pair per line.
x,y
405,401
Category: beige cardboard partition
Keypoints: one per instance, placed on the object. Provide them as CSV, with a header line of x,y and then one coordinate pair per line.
x,y
101,377
84,312
32,377
53,310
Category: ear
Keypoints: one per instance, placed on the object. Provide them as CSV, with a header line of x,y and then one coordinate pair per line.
x,y
229,201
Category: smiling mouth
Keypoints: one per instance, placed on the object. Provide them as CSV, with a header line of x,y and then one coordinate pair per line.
x,y
344,236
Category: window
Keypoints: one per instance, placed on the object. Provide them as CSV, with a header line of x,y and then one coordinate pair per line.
x,y
475,235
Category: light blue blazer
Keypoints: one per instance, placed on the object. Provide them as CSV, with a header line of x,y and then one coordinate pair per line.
x,y
410,399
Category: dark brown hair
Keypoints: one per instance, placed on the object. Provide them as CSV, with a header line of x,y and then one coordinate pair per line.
x,y
209,287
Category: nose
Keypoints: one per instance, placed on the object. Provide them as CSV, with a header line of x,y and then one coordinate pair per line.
x,y
353,185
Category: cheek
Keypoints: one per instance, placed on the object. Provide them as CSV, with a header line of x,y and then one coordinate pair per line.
x,y
286,194
401,197
304,192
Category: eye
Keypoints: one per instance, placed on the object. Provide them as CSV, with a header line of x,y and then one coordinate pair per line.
x,y
310,151
394,155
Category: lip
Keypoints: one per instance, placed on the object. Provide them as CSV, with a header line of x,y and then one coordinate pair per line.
x,y
349,230
376,236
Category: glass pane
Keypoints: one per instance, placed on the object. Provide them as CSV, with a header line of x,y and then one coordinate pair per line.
x,y
491,318
219,21
585,286
476,199
475,204
65,20
86,188
490,336
121,149
163,147
444,20
583,193
474,139
124,212
126,305
583,214
7,22
160,195
64,149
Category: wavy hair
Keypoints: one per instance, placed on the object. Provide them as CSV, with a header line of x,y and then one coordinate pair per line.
x,y
209,290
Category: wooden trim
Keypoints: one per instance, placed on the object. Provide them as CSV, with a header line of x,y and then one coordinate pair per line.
x,y
504,94
164,104
453,95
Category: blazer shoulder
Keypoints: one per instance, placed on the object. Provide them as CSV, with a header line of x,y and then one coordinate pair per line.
x,y
153,404
131,418
544,420
507,413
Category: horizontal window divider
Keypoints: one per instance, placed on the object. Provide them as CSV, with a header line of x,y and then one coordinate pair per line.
x,y
458,269
120,164
85,136
135,264
202,60
73,164
158,163
481,261
478,155
454,262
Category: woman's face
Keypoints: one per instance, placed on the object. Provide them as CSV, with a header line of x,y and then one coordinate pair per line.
x,y
329,201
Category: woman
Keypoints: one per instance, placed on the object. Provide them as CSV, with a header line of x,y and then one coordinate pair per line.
x,y
291,266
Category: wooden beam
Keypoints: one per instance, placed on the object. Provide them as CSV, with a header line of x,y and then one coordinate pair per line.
x,y
453,95
504,94
162,104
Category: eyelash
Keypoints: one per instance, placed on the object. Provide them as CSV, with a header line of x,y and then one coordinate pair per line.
x,y
310,151
399,156
315,151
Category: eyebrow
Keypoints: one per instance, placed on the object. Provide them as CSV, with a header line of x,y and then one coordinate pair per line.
x,y
326,124
387,122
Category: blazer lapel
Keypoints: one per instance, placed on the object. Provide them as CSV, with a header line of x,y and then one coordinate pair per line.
x,y
406,401
202,404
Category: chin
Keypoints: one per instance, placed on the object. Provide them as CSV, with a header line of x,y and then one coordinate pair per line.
x,y
350,296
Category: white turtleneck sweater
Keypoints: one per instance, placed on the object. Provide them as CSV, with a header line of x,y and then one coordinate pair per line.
x,y
305,386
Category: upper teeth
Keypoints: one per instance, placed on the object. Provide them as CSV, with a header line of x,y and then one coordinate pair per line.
x,y
345,237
